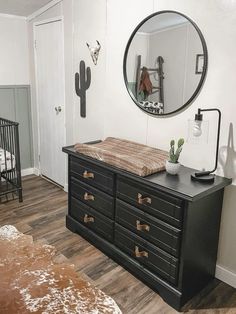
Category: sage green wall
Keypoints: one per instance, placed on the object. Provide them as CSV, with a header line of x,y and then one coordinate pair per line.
x,y
15,105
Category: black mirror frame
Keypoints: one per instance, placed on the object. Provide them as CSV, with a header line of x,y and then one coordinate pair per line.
x,y
205,66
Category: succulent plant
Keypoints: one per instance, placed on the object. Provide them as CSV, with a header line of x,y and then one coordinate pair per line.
x,y
174,154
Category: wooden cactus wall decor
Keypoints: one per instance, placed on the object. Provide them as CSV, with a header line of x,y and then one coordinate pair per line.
x,y
82,83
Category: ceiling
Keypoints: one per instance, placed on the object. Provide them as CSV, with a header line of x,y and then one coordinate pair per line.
x,y
162,21
21,7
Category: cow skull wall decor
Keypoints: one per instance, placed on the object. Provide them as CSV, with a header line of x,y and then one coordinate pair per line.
x,y
94,51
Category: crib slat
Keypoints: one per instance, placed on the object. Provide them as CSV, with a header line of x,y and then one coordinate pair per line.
x,y
10,166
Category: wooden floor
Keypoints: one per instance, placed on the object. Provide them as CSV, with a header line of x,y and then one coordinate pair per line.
x,y
42,215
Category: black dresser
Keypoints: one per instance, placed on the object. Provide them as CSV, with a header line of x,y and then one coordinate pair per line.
x,y
163,229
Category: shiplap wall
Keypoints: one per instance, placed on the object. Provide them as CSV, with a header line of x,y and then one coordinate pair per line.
x,y
15,105
119,116
124,119
14,81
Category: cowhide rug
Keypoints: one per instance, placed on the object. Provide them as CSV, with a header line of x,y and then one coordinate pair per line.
x,y
32,282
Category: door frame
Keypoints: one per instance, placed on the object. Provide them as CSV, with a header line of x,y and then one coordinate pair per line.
x,y
35,24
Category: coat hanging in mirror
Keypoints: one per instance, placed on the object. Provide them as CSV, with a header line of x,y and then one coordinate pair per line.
x,y
160,63
82,83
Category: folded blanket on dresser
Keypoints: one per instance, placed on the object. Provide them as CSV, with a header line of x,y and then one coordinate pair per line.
x,y
130,156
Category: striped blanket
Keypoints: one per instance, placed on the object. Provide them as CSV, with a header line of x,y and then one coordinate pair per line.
x,y
137,158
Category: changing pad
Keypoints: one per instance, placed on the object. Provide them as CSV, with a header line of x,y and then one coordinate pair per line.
x,y
130,156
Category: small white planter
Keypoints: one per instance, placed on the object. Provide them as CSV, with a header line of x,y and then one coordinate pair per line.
x,y
172,168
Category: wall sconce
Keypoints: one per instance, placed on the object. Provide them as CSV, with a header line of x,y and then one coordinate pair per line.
x,y
197,131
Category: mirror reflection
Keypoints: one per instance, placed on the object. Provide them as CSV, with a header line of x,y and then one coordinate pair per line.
x,y
165,63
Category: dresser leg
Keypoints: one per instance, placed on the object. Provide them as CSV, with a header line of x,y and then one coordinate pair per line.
x,y
70,224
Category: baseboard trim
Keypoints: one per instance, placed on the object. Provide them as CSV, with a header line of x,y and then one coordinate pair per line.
x,y
36,172
27,172
226,275
66,187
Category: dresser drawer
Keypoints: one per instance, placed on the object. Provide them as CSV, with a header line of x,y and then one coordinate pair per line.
x,y
92,175
163,206
92,197
152,229
156,260
91,219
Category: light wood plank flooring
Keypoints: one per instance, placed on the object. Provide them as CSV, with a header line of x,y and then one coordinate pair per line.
x,y
42,215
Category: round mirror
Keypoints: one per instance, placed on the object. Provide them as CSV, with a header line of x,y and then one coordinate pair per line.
x,y
165,63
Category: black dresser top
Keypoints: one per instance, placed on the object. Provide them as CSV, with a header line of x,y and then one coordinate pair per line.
x,y
180,185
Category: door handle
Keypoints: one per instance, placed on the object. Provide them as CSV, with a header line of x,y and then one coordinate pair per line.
x,y
138,253
88,175
88,197
144,200
88,218
141,227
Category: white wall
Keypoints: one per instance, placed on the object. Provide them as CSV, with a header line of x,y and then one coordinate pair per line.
x,y
110,110
194,47
14,52
124,119
89,26
138,46
164,43
64,9
84,21
67,9
179,46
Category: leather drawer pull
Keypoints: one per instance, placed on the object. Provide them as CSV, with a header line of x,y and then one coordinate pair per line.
x,y
88,219
143,200
88,175
88,197
138,253
142,227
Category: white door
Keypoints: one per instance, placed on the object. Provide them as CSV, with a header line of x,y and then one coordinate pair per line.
x,y
49,52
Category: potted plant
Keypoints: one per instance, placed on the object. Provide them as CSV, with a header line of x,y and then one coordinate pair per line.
x,y
173,165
